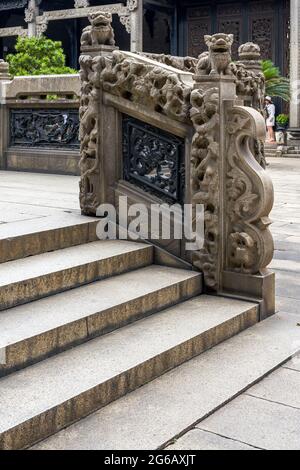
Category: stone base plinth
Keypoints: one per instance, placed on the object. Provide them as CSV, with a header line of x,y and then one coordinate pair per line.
x,y
254,287
95,51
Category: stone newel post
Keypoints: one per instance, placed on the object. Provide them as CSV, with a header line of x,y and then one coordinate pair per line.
x,y
228,180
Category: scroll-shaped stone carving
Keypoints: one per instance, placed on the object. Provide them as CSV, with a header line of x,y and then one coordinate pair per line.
x,y
157,88
205,175
100,31
89,164
249,196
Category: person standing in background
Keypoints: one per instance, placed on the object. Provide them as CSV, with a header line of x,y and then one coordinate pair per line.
x,y
270,119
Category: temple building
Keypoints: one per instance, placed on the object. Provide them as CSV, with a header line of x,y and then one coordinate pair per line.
x,y
174,27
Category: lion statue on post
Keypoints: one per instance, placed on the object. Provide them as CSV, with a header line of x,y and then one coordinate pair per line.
x,y
100,31
217,60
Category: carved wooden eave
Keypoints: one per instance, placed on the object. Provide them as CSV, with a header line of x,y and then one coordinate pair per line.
x,y
123,11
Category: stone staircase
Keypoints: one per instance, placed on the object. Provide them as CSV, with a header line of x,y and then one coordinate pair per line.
x,y
274,150
270,150
84,322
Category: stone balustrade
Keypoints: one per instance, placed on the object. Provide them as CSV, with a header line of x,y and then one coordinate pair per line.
x,y
39,122
202,120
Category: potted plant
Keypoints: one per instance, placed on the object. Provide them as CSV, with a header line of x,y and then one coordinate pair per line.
x,y
282,122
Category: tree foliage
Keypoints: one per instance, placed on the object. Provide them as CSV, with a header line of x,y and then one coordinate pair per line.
x,y
38,56
276,84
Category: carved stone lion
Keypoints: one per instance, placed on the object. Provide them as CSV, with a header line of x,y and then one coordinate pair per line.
x,y
218,58
100,31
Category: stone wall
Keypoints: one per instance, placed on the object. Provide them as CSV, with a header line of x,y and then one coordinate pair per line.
x,y
40,123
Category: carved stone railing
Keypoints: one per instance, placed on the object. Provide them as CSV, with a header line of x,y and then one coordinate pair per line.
x,y
204,112
39,122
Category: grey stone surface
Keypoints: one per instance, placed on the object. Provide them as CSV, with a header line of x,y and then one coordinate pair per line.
x,y
41,192
257,422
196,439
154,414
288,305
294,363
282,386
112,365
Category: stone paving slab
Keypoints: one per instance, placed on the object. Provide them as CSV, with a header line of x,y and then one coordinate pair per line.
x,y
282,386
203,440
289,305
257,422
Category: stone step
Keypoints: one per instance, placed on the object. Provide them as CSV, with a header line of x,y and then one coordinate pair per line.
x,y
104,369
32,332
290,155
38,276
33,237
165,408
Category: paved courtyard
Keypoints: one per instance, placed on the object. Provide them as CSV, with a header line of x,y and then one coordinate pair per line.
x,y
267,416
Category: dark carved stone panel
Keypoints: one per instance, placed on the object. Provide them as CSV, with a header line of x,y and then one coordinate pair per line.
x,y
58,128
153,160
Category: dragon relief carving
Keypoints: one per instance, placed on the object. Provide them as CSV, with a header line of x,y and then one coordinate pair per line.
x,y
154,87
249,196
89,164
205,175
186,64
100,31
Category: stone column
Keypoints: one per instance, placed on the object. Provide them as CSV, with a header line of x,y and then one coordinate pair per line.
x,y
136,18
30,17
295,72
4,77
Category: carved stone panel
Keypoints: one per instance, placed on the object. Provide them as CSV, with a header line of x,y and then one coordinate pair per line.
x,y
153,160
57,128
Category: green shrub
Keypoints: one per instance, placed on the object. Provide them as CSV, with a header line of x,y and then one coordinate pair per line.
x,y
282,119
38,56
